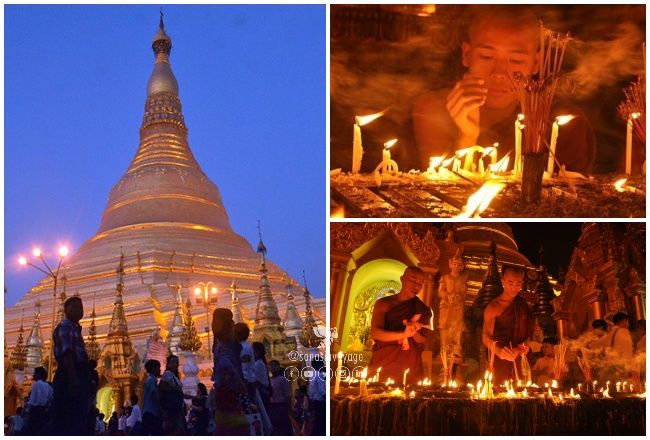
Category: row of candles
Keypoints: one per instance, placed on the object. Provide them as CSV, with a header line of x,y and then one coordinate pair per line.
x,y
484,388
389,165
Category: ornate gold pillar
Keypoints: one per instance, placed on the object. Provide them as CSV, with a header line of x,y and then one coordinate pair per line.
x,y
561,318
598,301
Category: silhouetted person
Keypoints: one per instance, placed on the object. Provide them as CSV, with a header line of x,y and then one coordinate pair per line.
x,y
151,411
73,393
40,403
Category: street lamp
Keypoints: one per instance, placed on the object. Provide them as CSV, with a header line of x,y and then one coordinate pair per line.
x,y
203,293
54,275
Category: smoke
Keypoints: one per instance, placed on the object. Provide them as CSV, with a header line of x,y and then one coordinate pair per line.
x,y
604,62
606,363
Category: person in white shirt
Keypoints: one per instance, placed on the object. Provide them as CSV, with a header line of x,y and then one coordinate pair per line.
x,y
40,400
133,421
261,372
100,426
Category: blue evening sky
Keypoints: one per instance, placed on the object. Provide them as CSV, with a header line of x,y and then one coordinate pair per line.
x,y
252,85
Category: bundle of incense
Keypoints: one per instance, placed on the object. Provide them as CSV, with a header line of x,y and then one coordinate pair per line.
x,y
491,353
536,92
525,369
405,341
584,365
514,365
559,365
634,103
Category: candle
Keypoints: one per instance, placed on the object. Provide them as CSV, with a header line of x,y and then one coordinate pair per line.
x,y
518,127
560,120
363,385
493,153
628,142
357,147
339,364
385,154
377,374
404,379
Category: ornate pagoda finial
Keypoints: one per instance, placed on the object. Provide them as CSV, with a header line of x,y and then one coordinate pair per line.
x,y
261,249
190,340
118,325
309,338
19,353
162,24
266,313
92,347
60,316
34,346
177,327
292,323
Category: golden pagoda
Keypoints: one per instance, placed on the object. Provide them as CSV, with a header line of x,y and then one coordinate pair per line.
x,y
167,228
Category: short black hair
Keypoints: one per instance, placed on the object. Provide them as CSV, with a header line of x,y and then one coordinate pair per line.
x,y
72,299
241,331
40,372
512,268
599,323
150,365
550,340
620,316
134,399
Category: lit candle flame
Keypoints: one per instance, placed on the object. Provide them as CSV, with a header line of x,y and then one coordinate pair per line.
x,y
619,185
363,120
554,384
563,119
635,115
481,199
412,395
520,116
502,165
390,143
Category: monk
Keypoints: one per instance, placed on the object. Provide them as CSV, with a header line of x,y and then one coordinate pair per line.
x,y
393,322
508,323
482,106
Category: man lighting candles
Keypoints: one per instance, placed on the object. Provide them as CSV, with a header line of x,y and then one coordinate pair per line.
x,y
483,105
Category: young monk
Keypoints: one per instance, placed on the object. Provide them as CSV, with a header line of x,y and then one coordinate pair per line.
x,y
481,108
508,325
393,322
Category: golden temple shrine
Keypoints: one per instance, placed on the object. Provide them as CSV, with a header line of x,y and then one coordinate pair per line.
x,y
166,231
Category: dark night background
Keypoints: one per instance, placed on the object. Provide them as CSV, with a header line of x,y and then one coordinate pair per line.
x,y
557,239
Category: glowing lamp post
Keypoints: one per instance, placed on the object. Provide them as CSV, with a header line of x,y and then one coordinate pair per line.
x,y
54,275
204,293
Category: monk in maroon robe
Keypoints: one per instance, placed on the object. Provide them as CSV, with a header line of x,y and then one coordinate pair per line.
x,y
398,331
508,322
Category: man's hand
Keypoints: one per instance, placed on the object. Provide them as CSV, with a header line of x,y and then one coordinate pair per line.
x,y
463,103
411,329
523,349
507,354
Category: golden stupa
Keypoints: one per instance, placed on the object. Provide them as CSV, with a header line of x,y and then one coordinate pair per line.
x,y
166,228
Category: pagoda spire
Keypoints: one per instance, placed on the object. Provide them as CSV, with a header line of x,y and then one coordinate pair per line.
x,y
235,307
177,327
92,347
164,183
118,326
35,344
309,338
60,315
266,313
292,323
19,353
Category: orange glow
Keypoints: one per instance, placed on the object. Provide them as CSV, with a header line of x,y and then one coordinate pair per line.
x,y
563,119
390,143
435,162
481,199
214,290
635,115
520,116
22,261
502,165
619,185
63,251
462,152
36,252
338,212
197,291
363,120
